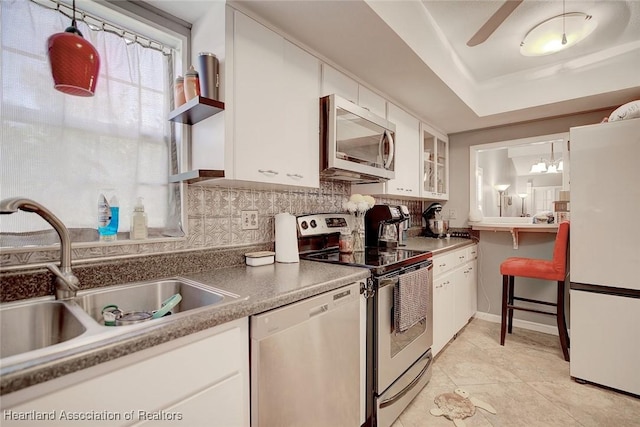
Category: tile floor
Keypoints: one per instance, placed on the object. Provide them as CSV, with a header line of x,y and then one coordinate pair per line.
x,y
527,381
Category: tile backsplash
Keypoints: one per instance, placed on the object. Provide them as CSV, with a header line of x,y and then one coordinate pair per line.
x,y
213,220
214,213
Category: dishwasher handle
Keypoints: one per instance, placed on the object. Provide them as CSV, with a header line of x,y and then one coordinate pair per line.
x,y
319,310
279,319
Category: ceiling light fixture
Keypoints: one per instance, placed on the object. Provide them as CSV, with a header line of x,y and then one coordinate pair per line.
x,y
551,166
557,33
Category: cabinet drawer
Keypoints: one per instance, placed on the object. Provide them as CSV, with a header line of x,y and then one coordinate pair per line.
x,y
472,252
448,261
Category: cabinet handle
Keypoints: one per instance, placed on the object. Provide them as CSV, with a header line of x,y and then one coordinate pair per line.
x,y
446,283
442,265
399,189
461,257
295,175
268,172
438,286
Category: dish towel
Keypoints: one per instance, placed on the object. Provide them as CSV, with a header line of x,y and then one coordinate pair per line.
x,y
411,299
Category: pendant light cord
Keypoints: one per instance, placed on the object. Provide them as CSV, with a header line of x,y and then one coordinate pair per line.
x,y
564,32
73,20
97,24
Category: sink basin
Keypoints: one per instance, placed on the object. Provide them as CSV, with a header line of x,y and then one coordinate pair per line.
x,y
149,297
38,329
34,325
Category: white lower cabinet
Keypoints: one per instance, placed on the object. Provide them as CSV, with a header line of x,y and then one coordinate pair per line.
x,y
197,380
454,294
443,302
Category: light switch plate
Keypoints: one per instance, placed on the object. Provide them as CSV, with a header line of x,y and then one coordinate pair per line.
x,y
249,220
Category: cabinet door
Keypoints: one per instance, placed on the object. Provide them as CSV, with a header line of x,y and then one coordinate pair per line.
x,y
333,81
173,374
435,164
461,296
372,101
443,298
442,168
216,406
300,155
407,145
258,98
471,272
276,113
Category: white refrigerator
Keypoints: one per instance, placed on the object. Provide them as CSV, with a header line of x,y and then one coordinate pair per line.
x,y
605,254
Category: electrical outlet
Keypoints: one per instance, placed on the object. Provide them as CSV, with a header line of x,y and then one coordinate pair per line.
x,y
249,220
453,214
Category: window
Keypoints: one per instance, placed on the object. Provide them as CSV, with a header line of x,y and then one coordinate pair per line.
x,y
63,151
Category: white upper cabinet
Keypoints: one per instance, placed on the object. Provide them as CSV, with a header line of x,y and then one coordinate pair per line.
x,y
268,132
435,164
407,180
333,81
275,108
372,101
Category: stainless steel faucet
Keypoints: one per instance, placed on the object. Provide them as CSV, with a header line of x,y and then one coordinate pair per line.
x,y
66,283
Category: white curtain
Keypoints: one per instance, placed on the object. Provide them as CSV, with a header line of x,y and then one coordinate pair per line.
x,y
61,150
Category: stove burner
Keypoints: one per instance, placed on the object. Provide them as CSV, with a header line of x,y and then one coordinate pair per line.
x,y
378,260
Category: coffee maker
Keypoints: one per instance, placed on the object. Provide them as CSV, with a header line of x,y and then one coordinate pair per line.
x,y
434,227
381,226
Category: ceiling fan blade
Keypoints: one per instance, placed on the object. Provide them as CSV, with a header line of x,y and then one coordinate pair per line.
x,y
494,22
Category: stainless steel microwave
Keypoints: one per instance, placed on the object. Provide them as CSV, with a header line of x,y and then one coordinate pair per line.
x,y
355,144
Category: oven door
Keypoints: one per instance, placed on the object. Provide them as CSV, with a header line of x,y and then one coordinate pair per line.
x,y
397,352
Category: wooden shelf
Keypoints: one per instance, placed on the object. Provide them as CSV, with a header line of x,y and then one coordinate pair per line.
x,y
515,229
196,110
198,175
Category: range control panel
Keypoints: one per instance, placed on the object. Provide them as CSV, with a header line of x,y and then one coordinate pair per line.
x,y
319,224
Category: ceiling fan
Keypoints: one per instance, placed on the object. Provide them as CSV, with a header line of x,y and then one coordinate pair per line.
x,y
494,22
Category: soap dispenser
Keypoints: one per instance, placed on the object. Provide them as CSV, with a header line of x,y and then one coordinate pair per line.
x,y
139,229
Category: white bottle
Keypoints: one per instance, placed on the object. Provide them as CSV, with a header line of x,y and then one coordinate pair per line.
x,y
139,229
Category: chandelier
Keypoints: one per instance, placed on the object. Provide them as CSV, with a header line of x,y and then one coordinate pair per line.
x,y
548,166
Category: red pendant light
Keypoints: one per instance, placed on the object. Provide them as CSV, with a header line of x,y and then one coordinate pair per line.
x,y
74,61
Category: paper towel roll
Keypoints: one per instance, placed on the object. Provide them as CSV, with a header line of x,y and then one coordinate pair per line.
x,y
286,238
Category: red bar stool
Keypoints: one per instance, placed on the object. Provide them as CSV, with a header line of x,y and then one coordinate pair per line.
x,y
543,269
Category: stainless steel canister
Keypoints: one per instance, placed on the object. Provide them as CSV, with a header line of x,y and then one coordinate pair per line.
x,y
209,75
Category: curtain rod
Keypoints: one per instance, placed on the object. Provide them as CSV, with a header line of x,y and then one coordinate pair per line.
x,y
97,24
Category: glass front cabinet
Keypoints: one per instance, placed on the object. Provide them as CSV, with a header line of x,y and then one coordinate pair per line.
x,y
435,164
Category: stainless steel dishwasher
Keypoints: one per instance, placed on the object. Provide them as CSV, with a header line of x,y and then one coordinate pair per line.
x,y
306,362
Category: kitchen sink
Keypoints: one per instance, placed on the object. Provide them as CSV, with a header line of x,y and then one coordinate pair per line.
x,y
32,325
37,329
150,296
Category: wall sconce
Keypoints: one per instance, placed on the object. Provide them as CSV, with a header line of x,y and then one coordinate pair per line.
x,y
501,188
522,196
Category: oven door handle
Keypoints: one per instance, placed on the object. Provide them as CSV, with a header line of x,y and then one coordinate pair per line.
x,y
390,401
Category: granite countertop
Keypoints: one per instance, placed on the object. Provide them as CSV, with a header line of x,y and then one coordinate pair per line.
x,y
267,287
437,246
